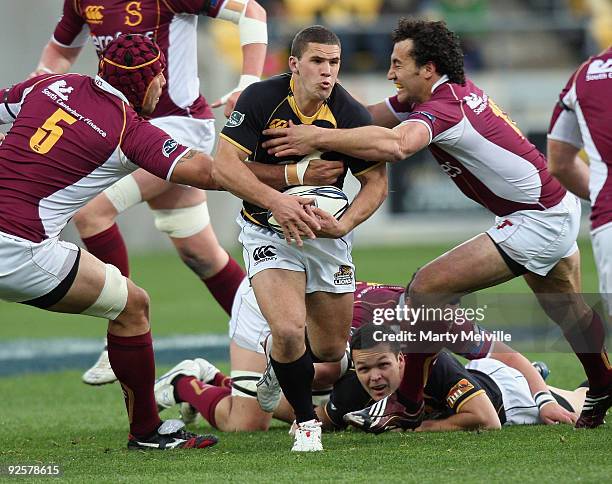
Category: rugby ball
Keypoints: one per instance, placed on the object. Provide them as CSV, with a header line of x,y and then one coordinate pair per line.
x,y
329,198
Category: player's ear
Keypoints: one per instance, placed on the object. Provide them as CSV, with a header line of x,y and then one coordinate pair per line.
x,y
293,61
401,360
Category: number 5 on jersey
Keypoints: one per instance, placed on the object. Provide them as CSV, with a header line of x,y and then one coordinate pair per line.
x,y
49,133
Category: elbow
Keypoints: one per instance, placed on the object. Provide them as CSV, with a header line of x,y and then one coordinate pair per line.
x,y
555,169
490,422
403,150
397,153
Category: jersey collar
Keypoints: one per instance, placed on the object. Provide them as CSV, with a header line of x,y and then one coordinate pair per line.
x,y
105,86
439,82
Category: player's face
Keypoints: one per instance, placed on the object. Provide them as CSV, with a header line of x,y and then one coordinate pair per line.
x,y
316,72
152,95
379,370
408,78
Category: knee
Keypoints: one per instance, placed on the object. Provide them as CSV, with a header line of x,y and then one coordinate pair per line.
x,y
203,266
288,338
138,311
92,219
332,351
421,284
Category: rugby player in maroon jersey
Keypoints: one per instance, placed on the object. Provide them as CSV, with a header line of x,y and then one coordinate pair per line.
x,y
582,119
494,164
71,137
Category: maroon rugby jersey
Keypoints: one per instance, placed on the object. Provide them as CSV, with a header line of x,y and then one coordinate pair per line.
x,y
72,137
583,117
171,23
370,297
482,150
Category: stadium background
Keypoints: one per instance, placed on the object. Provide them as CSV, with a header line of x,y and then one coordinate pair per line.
x,y
520,51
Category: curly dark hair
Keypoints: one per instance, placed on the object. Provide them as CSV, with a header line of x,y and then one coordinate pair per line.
x,y
433,42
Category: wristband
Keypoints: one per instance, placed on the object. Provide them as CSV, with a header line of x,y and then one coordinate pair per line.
x,y
245,81
291,175
543,398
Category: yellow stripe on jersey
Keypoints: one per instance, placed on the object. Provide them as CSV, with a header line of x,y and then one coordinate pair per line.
x,y
236,144
458,409
362,172
251,219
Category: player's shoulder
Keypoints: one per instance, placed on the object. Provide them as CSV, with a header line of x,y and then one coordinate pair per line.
x,y
268,92
596,68
446,362
346,107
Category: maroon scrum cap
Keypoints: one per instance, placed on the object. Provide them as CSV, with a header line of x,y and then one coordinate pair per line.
x,y
130,63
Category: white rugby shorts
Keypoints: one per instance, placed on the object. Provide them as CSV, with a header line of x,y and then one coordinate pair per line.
x,y
602,251
519,405
538,240
247,327
29,270
327,262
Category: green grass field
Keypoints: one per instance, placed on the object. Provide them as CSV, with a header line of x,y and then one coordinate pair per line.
x,y
54,418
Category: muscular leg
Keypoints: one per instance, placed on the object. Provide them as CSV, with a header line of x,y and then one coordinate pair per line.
x,y
292,364
329,321
239,413
559,295
471,266
129,337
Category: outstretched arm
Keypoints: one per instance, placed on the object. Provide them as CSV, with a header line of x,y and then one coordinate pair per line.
x,y
550,411
368,142
382,115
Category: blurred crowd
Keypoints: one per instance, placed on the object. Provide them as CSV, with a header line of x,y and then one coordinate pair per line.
x,y
364,26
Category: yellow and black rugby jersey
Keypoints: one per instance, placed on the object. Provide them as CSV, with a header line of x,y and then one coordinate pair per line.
x,y
270,104
448,387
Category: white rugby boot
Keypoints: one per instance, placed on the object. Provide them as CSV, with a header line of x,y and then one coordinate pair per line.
x,y
207,374
268,389
207,370
101,372
307,437
164,385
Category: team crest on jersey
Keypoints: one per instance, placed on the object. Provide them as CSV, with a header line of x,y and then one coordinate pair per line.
x,y
278,123
344,276
599,69
61,89
235,119
169,146
476,103
94,14
461,388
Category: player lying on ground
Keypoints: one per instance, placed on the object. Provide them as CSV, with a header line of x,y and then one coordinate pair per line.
x,y
484,394
230,405
71,137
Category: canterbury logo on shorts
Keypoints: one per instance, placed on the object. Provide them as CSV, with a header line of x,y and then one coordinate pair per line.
x,y
264,253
